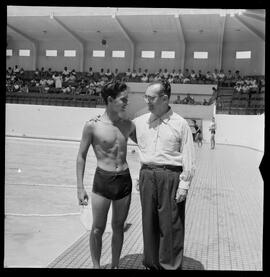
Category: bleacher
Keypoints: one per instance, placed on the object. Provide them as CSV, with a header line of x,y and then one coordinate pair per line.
x,y
229,102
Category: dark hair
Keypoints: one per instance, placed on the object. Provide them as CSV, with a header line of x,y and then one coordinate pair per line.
x,y
165,87
112,88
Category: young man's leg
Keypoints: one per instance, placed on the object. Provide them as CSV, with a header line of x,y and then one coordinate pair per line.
x,y
100,208
120,210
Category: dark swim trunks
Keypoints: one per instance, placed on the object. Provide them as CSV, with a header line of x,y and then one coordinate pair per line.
x,y
112,185
213,131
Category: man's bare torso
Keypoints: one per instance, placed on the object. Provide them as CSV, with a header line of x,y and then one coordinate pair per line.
x,y
110,143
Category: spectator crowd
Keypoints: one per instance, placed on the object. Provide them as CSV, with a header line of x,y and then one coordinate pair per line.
x,y
91,82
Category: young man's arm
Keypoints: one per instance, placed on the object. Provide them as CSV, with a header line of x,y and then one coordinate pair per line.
x,y
132,134
86,141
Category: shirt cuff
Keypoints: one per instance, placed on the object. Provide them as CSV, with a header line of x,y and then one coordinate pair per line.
x,y
184,184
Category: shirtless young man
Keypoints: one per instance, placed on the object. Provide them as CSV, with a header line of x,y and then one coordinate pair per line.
x,y
212,129
108,135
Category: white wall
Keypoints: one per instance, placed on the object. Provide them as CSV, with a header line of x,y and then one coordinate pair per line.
x,y
67,123
244,130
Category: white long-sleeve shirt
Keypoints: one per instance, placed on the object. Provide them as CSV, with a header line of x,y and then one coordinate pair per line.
x,y
166,140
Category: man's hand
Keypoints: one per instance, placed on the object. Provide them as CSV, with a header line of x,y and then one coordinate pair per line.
x,y
181,195
82,197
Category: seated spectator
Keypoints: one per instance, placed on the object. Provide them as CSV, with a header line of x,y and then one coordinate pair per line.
x,y
25,87
21,73
159,73
146,73
205,102
109,74
116,73
215,75
178,100
245,88
171,79
57,81
200,76
65,72
101,73
229,76
144,78
173,73
209,76
90,72
139,73
186,76
134,74
10,70
42,85
37,74
238,88
16,69
68,89
42,73
16,86
180,75
166,74
128,74
193,76
221,77
188,100
49,73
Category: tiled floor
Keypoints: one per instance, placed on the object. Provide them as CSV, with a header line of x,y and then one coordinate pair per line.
x,y
224,218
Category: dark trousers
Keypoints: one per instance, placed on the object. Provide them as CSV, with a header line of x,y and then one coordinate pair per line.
x,y
163,220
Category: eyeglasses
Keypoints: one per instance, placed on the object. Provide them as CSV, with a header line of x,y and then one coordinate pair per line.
x,y
151,98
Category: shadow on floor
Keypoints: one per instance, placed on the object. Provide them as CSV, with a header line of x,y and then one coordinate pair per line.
x,y
134,261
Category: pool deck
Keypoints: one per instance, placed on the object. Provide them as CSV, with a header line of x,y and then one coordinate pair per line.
x,y
224,219
223,229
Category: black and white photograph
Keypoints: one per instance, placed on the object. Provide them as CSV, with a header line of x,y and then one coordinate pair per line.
x,y
134,138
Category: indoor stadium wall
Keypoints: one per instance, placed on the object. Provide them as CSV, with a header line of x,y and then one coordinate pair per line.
x,y
253,66
60,122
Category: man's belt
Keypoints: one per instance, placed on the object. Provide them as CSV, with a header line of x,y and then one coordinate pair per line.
x,y
162,166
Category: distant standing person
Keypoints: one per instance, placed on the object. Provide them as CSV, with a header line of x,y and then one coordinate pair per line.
x,y
108,134
198,134
212,129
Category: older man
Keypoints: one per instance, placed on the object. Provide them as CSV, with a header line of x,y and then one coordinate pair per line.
x,y
166,153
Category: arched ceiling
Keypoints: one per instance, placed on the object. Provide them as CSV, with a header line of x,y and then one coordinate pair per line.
x,y
88,24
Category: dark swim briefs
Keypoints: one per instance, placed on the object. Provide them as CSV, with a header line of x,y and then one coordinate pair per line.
x,y
213,131
112,185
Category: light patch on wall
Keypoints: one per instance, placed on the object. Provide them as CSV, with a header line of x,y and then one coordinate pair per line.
x,y
70,53
148,54
51,53
168,54
9,52
24,52
243,54
118,54
98,53
200,55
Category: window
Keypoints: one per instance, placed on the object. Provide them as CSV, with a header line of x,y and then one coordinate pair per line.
x,y
24,52
167,54
98,53
70,53
51,53
9,52
200,55
243,54
148,54
118,54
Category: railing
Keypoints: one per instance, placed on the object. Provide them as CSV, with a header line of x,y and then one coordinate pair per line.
x,y
54,99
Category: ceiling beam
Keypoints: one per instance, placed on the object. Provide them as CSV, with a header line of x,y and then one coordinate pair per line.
x,y
182,41
255,16
33,42
78,39
222,22
250,28
125,33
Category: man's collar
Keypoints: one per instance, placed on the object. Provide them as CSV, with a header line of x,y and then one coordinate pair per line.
x,y
165,117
